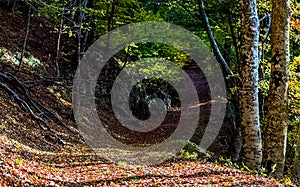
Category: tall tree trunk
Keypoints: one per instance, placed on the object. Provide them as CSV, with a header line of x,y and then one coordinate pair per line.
x,y
248,85
276,131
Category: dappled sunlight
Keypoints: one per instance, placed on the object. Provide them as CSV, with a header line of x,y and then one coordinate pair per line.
x,y
21,164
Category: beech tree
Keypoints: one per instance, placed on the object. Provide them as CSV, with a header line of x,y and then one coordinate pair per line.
x,y
248,107
248,85
275,139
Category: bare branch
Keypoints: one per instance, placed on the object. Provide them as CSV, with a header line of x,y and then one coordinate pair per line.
x,y
58,43
212,40
26,37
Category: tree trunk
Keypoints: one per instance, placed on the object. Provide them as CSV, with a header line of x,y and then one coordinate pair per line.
x,y
248,85
276,131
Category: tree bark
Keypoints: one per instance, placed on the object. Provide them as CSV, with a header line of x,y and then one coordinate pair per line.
x,y
276,131
248,85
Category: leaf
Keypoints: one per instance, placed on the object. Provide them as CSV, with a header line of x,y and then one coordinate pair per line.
x,y
70,33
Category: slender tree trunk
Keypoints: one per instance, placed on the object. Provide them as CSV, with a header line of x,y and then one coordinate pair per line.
x,y
88,27
80,20
212,40
230,82
26,37
276,131
234,40
58,44
262,96
111,13
248,85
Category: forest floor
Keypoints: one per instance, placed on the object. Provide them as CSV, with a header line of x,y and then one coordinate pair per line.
x,y
31,156
24,166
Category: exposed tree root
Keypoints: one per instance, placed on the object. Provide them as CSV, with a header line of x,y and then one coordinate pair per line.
x,y
37,110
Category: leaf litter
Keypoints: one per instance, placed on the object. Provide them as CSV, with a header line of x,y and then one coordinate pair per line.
x,y
21,166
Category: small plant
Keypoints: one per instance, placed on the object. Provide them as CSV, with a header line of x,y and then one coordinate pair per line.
x,y
187,155
287,181
12,121
228,162
3,50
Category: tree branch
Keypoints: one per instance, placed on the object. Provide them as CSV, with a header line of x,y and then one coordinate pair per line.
x,y
26,36
212,40
187,11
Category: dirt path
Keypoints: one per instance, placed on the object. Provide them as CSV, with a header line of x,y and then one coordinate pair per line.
x,y
23,166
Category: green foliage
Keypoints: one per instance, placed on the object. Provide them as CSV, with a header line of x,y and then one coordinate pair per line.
x,y
51,10
151,65
264,7
294,88
125,12
229,163
13,58
186,155
8,56
145,50
225,161
294,108
287,181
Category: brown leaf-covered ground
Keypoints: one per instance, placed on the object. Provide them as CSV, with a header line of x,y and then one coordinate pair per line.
x,y
24,166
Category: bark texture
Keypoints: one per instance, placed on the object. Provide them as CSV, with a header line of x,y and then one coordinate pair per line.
x,y
276,131
248,85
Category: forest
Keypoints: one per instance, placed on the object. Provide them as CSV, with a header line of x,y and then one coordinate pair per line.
x,y
149,93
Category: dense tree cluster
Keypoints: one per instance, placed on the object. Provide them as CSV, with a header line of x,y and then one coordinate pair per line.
x,y
256,43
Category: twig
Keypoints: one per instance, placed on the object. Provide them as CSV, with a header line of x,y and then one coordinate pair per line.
x,y
58,44
26,37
